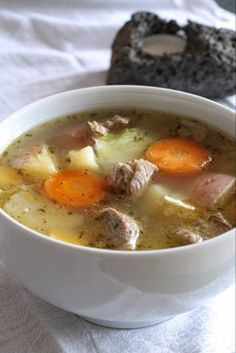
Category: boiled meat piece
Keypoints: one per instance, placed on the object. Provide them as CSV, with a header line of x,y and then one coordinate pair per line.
x,y
101,128
131,178
120,230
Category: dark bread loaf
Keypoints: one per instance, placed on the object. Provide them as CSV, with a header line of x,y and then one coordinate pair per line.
x,y
206,66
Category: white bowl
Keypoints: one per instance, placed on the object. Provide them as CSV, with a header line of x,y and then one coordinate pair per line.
x,y
117,288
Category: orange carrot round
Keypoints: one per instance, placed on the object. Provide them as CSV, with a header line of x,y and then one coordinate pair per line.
x,y
178,156
75,188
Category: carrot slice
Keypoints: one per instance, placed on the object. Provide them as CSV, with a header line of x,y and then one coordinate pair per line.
x,y
75,188
178,156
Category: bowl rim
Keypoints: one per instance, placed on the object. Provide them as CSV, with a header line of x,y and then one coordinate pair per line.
x,y
92,250
138,89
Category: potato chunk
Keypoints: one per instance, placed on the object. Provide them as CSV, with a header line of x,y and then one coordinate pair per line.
x,y
9,177
41,214
83,159
38,163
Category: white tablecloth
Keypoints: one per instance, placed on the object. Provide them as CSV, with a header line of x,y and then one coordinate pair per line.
x,y
52,46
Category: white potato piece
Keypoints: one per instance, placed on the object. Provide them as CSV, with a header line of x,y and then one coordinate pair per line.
x,y
38,163
83,159
40,214
9,177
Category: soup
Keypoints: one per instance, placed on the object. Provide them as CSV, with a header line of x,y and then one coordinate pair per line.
x,y
125,179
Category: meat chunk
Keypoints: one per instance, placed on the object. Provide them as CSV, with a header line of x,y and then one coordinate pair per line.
x,y
120,177
97,129
215,224
211,190
208,226
101,128
186,236
131,178
220,221
117,122
191,129
120,230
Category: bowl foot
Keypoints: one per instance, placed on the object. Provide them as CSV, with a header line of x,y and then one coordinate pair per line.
x,y
124,324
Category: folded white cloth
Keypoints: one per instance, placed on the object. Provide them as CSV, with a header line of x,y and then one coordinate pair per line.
x,y
56,45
